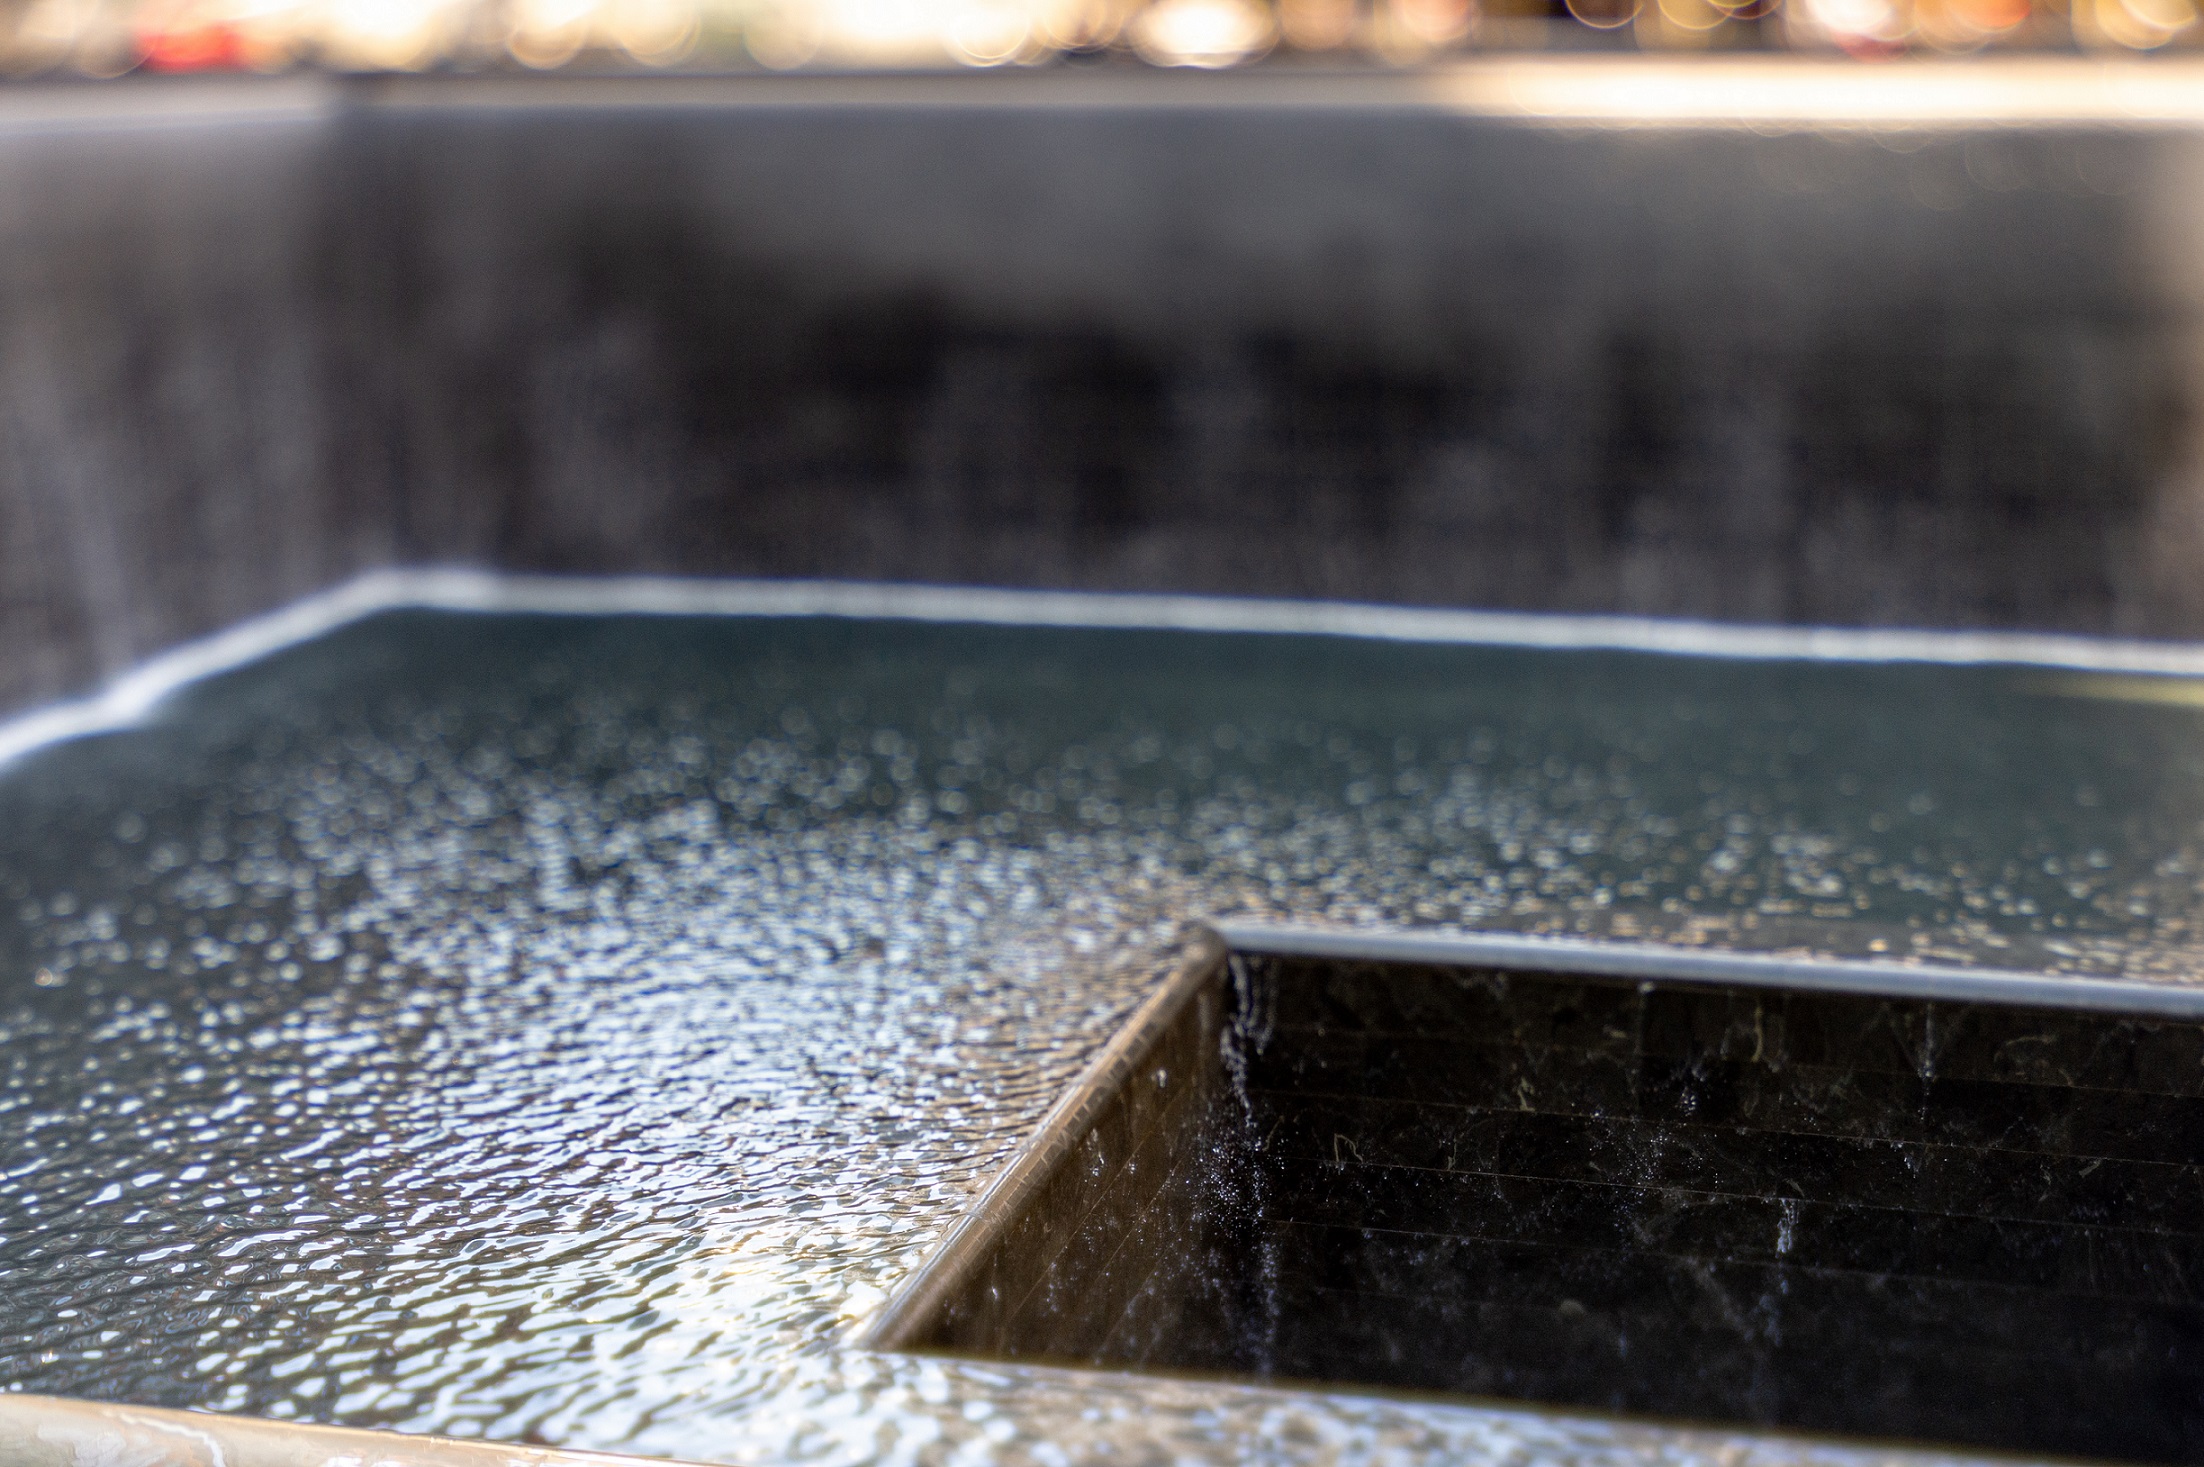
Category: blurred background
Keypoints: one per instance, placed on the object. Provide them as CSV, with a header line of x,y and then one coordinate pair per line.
x,y
103,38
1825,312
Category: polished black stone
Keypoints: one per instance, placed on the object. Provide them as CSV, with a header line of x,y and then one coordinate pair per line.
x,y
1968,1224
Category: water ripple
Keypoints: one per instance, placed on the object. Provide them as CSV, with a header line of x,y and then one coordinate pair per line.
x,y
567,1029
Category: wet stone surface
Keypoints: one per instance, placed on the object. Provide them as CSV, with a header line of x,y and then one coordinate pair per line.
x,y
569,1029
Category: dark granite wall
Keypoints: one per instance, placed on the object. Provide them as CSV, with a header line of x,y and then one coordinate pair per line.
x,y
1165,333
1883,1217
1958,1223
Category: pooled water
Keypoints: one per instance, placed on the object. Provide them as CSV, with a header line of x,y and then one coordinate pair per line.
x,y
570,1029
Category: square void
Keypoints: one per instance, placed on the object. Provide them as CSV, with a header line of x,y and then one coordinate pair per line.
x,y
1970,1223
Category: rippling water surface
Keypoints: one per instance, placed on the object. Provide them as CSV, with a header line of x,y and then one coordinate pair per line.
x,y
568,1029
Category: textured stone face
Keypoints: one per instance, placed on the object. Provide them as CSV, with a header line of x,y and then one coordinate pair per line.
x,y
1970,1224
251,342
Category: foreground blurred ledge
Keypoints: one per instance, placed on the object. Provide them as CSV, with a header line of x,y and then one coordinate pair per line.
x,y
50,1431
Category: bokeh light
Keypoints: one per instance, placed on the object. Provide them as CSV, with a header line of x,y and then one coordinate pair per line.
x,y
106,38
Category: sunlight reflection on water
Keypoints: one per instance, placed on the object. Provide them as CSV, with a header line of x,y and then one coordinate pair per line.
x,y
567,1029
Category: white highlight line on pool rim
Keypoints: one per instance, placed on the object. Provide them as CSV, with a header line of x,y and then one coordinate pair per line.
x,y
131,697
1673,962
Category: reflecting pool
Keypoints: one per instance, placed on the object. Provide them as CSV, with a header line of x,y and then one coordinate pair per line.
x,y
571,1028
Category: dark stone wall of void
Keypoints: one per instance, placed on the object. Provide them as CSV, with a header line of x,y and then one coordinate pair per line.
x,y
1230,334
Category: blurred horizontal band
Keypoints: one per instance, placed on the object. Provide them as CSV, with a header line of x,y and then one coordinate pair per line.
x,y
1760,92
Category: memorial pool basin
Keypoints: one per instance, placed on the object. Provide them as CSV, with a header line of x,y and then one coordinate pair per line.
x,y
574,1029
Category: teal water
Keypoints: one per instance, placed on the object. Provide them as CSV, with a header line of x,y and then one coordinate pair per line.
x,y
569,1029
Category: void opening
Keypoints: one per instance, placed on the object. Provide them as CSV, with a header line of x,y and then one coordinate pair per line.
x,y
1712,1198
